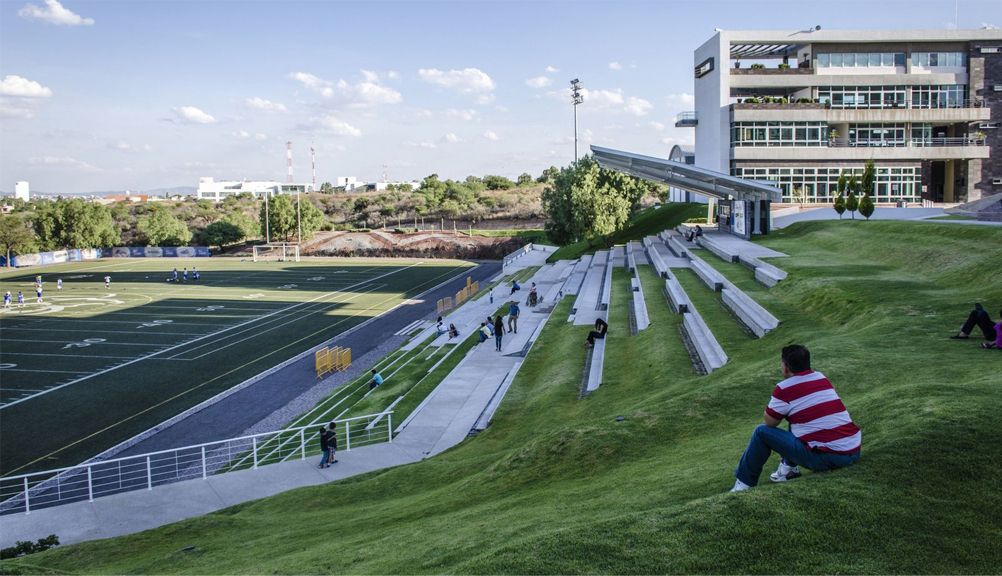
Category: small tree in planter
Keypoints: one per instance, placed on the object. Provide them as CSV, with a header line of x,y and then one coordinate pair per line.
x,y
840,199
866,206
852,201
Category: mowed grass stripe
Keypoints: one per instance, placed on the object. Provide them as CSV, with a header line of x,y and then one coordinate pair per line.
x,y
146,395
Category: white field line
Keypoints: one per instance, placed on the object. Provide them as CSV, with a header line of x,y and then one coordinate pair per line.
x,y
227,329
46,371
65,355
95,343
102,331
295,318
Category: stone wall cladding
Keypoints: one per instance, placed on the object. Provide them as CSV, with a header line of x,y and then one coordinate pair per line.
x,y
986,71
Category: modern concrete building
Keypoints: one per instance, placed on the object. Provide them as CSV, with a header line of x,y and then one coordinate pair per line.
x,y
798,107
22,191
217,190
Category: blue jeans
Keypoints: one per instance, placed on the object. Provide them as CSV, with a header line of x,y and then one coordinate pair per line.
x,y
766,440
325,459
497,340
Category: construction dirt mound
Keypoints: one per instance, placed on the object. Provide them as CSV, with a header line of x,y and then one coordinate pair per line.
x,y
424,244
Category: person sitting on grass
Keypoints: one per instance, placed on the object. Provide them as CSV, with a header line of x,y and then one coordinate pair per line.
x,y
978,317
484,332
822,436
377,379
601,327
997,343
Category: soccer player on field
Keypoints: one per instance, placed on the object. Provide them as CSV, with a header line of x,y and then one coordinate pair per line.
x,y
185,276
38,293
6,299
107,282
59,284
20,299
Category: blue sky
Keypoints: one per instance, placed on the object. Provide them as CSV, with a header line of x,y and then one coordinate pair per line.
x,y
140,94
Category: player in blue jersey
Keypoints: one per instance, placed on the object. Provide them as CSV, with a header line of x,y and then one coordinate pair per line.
x,y
6,299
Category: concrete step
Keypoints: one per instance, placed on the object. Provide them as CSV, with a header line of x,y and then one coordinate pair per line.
x,y
710,353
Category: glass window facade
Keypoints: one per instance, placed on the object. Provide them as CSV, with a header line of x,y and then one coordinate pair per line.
x,y
942,96
933,59
779,134
820,185
860,60
877,135
863,96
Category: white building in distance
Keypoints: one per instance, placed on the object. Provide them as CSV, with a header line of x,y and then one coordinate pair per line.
x,y
216,190
22,191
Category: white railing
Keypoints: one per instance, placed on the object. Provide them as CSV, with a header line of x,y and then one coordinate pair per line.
x,y
91,480
516,255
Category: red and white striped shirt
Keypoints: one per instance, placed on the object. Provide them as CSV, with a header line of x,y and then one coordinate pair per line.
x,y
817,416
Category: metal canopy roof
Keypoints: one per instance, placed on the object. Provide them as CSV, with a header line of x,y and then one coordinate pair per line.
x,y
762,50
685,176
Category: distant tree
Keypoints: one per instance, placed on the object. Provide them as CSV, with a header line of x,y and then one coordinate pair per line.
x,y
313,219
869,176
15,236
840,187
221,233
524,179
281,218
852,201
494,182
866,206
74,224
404,187
548,175
161,228
326,188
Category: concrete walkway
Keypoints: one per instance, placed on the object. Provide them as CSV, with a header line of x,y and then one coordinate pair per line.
x,y
442,422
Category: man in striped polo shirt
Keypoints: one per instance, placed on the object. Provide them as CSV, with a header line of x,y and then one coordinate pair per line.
x,y
822,436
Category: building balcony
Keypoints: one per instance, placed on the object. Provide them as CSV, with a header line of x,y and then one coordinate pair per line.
x,y
685,120
963,112
796,78
845,150
770,71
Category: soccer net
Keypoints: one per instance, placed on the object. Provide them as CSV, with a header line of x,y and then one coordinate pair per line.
x,y
276,252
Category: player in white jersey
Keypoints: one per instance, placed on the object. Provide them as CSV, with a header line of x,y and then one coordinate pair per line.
x,y
107,282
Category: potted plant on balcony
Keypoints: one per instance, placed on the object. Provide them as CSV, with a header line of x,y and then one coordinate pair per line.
x,y
979,136
758,66
832,136
784,66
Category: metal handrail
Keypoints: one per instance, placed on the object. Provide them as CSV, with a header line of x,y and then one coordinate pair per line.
x,y
902,142
689,115
67,484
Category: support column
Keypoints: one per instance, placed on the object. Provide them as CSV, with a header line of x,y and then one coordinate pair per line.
x,y
948,182
756,218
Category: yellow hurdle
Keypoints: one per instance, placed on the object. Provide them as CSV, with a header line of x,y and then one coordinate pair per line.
x,y
323,362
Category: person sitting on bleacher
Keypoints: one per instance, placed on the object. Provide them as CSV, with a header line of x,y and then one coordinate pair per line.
x,y
601,327
453,331
694,233
440,328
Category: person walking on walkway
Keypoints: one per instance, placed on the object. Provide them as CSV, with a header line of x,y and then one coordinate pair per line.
x,y
601,327
822,436
331,443
498,331
325,453
980,318
513,317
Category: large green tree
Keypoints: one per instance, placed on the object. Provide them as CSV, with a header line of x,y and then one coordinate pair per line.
x,y
586,201
281,218
74,224
221,233
16,237
161,228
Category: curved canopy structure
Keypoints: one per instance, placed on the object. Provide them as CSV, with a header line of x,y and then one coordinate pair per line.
x,y
685,176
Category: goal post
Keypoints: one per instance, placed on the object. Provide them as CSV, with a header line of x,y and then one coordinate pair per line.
x,y
276,252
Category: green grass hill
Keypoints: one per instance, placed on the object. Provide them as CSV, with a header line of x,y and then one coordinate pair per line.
x,y
558,485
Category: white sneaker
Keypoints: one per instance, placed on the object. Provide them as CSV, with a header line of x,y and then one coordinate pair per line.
x,y
739,486
785,472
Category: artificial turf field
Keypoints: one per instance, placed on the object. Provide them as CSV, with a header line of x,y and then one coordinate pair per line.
x,y
92,366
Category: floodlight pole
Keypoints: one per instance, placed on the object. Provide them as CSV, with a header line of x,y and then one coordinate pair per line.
x,y
299,218
576,98
267,220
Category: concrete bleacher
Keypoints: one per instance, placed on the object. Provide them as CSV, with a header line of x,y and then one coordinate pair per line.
x,y
631,262
640,315
765,273
606,299
676,296
709,351
713,279
677,245
576,277
596,363
759,320
588,304
726,253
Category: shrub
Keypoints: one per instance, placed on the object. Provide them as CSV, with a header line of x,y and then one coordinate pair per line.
x,y
866,206
758,66
25,547
784,66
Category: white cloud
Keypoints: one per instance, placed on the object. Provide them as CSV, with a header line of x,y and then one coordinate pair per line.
x,y
393,75
245,135
53,13
331,123
637,106
466,114
262,104
120,145
21,87
192,115
370,76
682,99
538,82
315,83
63,162
615,66
426,144
491,135
467,80
260,137
551,69
16,108
657,126
451,138
485,98
585,136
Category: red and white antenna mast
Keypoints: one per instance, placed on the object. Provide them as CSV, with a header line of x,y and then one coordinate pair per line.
x,y
288,158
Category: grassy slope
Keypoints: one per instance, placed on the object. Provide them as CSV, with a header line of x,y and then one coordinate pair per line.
x,y
557,485
645,223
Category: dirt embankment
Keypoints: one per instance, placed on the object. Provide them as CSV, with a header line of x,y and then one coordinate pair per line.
x,y
379,243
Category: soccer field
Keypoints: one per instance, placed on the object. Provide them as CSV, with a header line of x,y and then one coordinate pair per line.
x,y
92,366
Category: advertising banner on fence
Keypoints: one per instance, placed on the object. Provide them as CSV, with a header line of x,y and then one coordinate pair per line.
x,y
78,255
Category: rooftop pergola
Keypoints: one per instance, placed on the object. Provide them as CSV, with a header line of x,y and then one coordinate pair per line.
x,y
685,176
